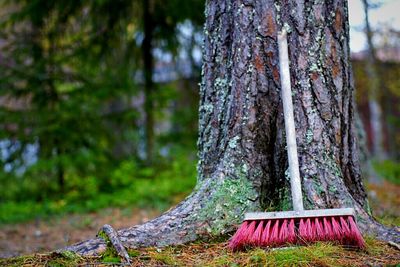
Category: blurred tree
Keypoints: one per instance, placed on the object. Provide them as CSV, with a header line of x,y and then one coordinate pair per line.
x,y
67,83
389,46
375,109
160,20
66,64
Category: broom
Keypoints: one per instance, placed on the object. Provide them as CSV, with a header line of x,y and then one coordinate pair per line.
x,y
300,226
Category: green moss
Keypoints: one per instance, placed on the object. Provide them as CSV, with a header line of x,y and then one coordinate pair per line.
x,y
317,186
110,255
223,260
373,247
16,261
110,259
133,253
314,255
65,258
70,255
286,202
228,204
167,256
103,235
332,189
285,198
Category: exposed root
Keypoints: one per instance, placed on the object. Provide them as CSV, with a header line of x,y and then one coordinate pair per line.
x,y
176,226
395,245
112,237
182,224
368,225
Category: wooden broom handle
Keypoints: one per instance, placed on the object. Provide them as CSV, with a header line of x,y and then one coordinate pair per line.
x,y
295,182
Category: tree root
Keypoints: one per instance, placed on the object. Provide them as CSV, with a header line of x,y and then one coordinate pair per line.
x,y
167,229
381,232
173,228
182,225
176,226
112,237
395,245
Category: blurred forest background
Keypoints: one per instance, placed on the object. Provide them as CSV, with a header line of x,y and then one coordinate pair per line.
x,y
99,103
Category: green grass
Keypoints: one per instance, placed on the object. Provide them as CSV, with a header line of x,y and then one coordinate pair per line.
x,y
158,193
389,170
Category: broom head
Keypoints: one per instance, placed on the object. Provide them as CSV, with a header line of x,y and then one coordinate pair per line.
x,y
272,229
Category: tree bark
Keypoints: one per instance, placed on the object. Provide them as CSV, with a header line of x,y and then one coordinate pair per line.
x,y
242,156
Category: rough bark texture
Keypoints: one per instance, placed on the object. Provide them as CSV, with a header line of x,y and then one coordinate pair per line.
x,y
242,157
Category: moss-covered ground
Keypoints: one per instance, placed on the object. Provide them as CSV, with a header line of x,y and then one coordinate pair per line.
x,y
217,254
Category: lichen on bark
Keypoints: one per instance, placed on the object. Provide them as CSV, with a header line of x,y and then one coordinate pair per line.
x,y
227,204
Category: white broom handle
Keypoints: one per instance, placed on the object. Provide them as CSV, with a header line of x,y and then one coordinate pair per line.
x,y
295,182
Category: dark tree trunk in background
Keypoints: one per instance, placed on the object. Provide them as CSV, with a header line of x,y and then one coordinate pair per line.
x,y
375,109
242,156
147,49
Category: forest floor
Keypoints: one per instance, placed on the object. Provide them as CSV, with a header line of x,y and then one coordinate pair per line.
x,y
217,254
48,235
43,236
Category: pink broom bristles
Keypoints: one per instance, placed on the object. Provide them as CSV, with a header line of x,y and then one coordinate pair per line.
x,y
319,229
303,230
283,233
266,234
291,236
328,229
249,233
274,238
336,229
312,231
238,238
278,232
257,236
345,227
355,233
307,230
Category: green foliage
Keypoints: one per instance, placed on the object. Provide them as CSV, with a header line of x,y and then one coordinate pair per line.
x,y
389,170
128,186
68,87
69,70
167,257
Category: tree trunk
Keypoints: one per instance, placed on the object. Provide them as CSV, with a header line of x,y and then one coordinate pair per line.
x,y
242,157
148,79
375,109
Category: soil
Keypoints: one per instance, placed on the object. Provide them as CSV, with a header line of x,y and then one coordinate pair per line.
x,y
48,235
